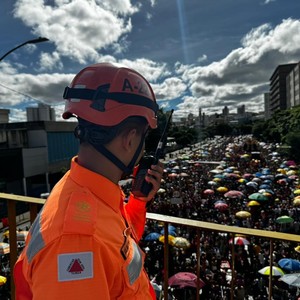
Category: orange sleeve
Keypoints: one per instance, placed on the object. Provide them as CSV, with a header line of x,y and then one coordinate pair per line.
x,y
136,212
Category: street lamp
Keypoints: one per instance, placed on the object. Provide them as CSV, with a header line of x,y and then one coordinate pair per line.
x,y
35,41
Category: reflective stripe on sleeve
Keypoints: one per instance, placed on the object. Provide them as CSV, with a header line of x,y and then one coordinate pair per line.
x,y
135,266
36,242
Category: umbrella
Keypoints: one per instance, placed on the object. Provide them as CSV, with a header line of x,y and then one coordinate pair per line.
x,y
276,271
289,264
208,192
4,248
222,189
297,249
258,197
234,194
243,214
297,192
181,242
153,236
171,239
185,279
161,191
253,203
238,240
22,235
2,280
291,279
284,220
221,205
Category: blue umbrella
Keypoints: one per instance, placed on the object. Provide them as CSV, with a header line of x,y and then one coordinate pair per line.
x,y
171,230
153,236
289,264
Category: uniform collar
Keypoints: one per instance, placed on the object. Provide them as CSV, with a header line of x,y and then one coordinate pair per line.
x,y
103,188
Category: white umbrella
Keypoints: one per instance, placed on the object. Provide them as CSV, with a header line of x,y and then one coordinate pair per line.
x,y
291,279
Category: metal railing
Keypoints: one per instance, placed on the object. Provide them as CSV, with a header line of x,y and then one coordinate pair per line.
x,y
35,203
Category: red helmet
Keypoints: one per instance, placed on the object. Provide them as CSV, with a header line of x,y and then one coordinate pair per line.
x,y
106,94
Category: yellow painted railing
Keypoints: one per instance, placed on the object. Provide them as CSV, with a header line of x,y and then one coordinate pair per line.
x,y
36,203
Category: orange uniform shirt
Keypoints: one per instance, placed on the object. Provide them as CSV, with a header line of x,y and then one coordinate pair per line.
x,y
83,244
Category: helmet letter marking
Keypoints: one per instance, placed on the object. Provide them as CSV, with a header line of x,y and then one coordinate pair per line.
x,y
127,85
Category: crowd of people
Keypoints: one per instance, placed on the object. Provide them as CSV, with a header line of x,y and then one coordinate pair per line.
x,y
213,181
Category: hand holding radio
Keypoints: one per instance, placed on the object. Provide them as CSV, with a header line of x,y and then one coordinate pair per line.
x,y
143,184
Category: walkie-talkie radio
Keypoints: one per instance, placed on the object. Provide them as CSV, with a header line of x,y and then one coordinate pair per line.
x,y
141,187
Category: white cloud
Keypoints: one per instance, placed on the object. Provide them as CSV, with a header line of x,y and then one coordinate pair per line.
x,y
79,28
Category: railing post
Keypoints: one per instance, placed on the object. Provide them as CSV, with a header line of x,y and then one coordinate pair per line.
x,y
232,268
271,270
11,204
198,263
166,259
33,211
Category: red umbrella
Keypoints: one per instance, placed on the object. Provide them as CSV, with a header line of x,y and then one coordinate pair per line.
x,y
238,240
208,192
234,194
184,279
221,205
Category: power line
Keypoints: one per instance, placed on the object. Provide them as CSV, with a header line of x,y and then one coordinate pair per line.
x,y
20,93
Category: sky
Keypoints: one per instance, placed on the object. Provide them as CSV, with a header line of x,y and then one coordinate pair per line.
x,y
195,53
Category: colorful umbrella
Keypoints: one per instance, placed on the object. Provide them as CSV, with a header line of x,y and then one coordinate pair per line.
x,y
208,192
222,189
291,279
284,220
243,214
4,248
258,197
221,205
276,271
238,240
171,239
2,280
153,236
253,203
234,194
185,279
181,242
289,264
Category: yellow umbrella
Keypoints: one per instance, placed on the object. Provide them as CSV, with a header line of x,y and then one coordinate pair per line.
x,y
222,189
243,214
296,202
170,239
297,192
253,203
297,249
2,280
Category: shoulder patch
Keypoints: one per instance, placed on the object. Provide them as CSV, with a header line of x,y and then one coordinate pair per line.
x,y
81,213
75,266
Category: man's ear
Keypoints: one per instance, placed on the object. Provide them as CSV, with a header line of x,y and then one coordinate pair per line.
x,y
129,140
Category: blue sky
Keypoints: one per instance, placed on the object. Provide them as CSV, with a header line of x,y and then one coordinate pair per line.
x,y
195,53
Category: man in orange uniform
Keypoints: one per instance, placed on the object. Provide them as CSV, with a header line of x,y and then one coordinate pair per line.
x,y
84,243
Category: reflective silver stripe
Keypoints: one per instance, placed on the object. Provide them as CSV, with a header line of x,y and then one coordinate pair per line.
x,y
36,242
135,266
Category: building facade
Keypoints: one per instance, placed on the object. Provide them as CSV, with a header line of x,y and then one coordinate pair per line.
x,y
278,88
293,87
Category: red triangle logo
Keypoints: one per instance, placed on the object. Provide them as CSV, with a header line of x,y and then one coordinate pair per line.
x,y
76,266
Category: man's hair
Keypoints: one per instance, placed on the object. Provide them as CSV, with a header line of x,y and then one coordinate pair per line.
x,y
94,134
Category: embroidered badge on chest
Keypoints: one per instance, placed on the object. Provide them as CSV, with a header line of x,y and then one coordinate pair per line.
x,y
126,244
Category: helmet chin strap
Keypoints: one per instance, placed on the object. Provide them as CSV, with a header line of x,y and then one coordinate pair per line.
x,y
127,170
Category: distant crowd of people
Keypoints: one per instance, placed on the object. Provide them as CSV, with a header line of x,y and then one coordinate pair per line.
x,y
195,179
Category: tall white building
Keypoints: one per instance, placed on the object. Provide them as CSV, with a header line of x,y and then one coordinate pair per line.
x,y
43,112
